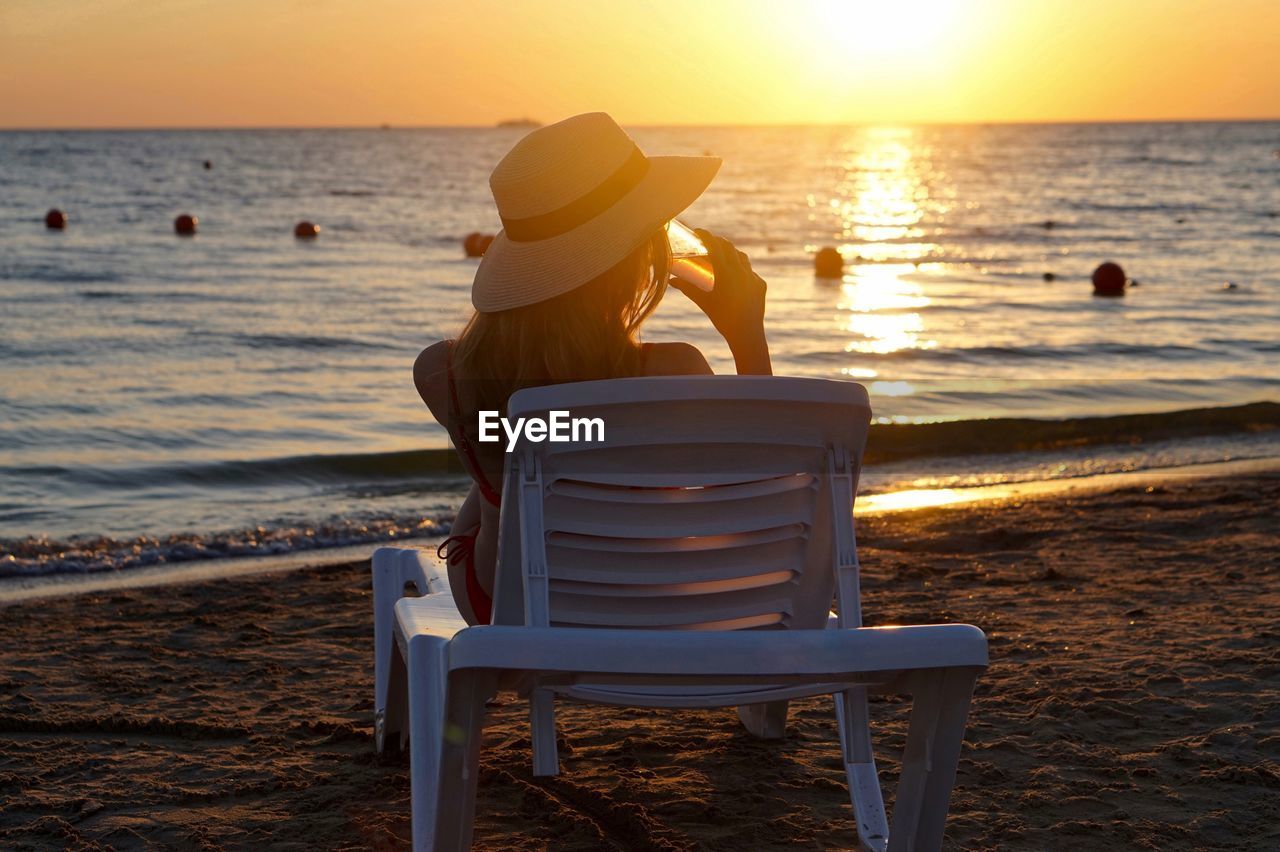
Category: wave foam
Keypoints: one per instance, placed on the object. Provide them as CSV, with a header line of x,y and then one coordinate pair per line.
x,y
32,557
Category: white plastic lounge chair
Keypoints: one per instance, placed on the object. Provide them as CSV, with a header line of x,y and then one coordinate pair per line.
x,y
688,560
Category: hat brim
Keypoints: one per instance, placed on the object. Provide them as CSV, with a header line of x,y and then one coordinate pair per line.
x,y
514,274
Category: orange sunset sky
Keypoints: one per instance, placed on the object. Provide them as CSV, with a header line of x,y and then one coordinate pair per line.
x,y
209,63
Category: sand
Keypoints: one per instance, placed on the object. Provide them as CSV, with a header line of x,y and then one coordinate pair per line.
x,y
1133,701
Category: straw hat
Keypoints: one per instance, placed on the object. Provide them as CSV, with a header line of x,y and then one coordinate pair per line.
x,y
576,198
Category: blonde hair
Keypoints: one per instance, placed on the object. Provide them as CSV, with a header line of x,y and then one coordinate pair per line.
x,y
588,333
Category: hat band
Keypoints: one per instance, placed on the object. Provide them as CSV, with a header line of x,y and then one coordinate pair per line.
x,y
581,210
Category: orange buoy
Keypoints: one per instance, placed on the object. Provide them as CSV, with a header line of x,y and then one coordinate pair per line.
x,y
185,224
55,220
828,263
305,230
1108,280
475,244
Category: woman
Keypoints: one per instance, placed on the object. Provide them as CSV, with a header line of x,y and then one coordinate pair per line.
x,y
560,295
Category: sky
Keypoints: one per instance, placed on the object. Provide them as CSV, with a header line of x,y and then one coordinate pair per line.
x,y
249,63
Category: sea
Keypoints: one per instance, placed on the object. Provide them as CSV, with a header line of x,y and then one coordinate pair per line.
x,y
241,392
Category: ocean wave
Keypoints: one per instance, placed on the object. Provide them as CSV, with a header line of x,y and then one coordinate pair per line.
x,y
1004,354
805,259
418,241
144,296
306,341
895,442
265,399
26,409
56,274
401,466
438,470
1156,207
1242,343
31,557
440,466
1145,159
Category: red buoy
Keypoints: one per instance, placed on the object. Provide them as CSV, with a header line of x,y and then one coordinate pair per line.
x,y
185,224
476,244
1108,280
305,230
55,220
828,263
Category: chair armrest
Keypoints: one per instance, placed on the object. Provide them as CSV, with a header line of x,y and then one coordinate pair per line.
x,y
429,615
781,655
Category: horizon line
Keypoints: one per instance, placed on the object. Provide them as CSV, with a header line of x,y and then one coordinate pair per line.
x,y
652,125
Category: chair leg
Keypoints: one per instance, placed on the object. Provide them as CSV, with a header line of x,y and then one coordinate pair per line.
x,y
854,724
542,727
393,568
940,706
767,721
386,571
390,722
460,759
427,665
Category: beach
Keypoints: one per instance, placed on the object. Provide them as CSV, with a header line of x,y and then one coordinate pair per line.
x,y
1133,701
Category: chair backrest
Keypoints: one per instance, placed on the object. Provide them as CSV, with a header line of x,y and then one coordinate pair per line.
x,y
712,502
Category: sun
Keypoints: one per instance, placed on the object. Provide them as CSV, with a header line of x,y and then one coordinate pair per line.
x,y
905,29
841,60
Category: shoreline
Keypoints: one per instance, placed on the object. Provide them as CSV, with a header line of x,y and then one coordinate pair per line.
x,y
986,447
1131,701
891,442
17,590
887,442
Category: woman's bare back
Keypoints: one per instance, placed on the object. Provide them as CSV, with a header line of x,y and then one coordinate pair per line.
x,y
478,517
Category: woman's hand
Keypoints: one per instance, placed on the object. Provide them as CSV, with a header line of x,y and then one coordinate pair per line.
x,y
735,305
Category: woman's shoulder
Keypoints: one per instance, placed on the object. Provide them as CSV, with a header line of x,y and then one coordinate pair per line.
x,y
432,360
431,375
675,359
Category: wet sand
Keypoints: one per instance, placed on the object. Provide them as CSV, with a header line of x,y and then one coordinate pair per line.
x,y
1133,701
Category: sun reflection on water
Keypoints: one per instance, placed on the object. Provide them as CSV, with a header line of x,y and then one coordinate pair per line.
x,y
882,310
880,206
883,194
